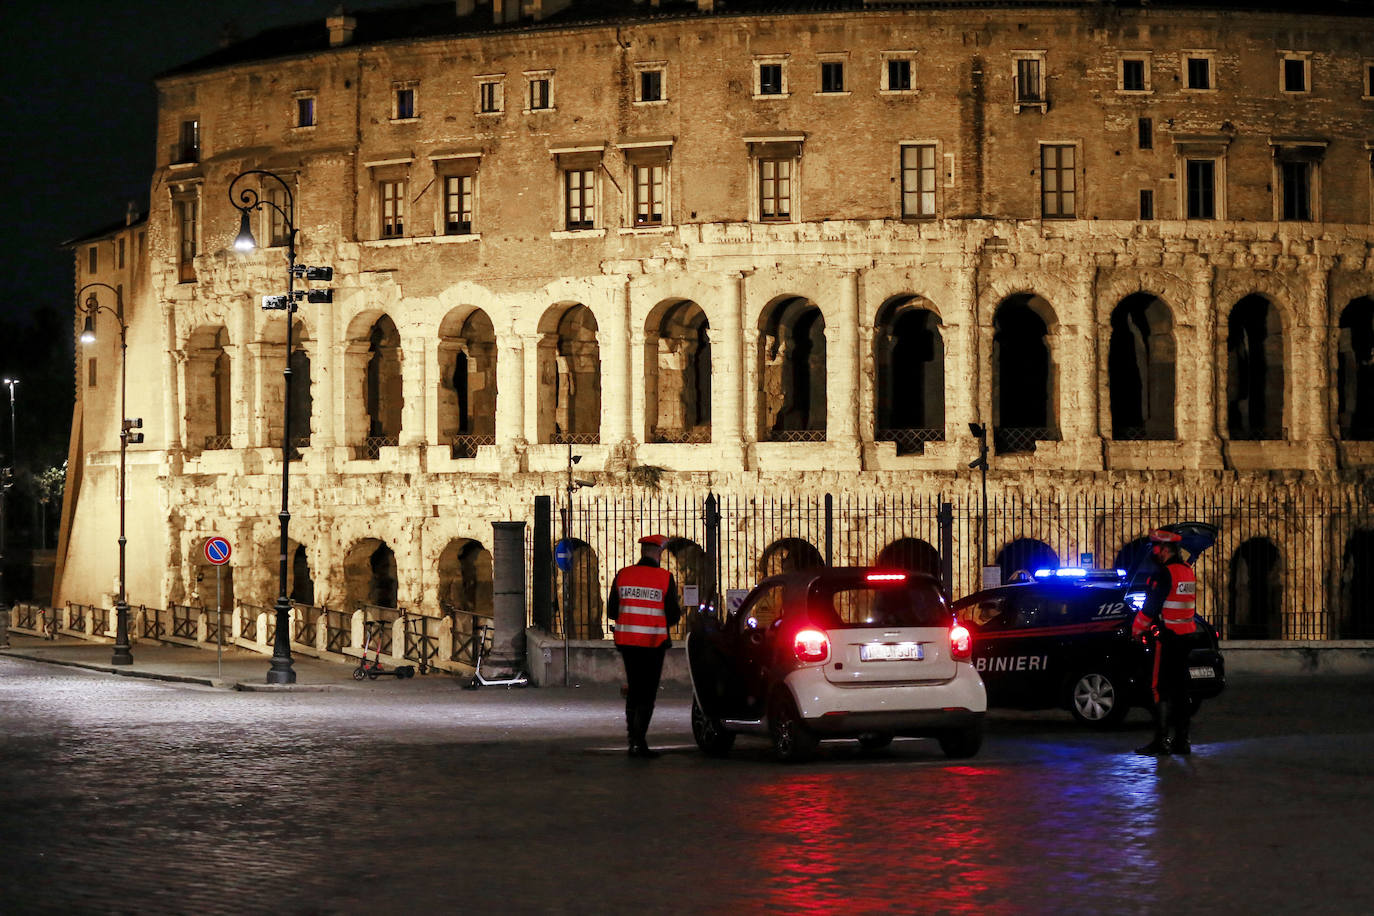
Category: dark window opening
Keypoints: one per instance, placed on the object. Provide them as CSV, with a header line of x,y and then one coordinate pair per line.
x,y
1296,178
1199,73
1355,372
677,360
1147,203
1023,376
832,76
1294,75
1028,89
1133,75
1201,189
305,112
909,356
467,388
651,86
898,75
1145,133
1141,360
1057,184
405,104
383,384
1255,371
770,79
792,385
1357,587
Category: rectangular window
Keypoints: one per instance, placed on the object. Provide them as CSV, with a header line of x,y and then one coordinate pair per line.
x,y
775,190
539,94
119,263
305,111
1133,75
1201,189
651,86
832,76
393,200
1296,178
489,97
404,103
770,79
1028,88
579,198
1294,78
1147,203
899,75
1199,71
458,205
276,220
92,259
649,195
186,239
918,181
1145,133
90,372
1057,182
188,143
1368,80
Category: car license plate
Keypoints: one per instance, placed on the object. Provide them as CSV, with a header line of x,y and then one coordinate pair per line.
x,y
891,652
1201,672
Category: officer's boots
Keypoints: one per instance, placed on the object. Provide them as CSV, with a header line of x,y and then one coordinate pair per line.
x,y
1161,743
1182,719
637,721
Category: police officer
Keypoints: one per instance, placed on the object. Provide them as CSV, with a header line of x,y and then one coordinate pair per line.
x,y
1164,619
644,605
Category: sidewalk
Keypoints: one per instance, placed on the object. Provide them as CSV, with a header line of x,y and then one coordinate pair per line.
x,y
240,669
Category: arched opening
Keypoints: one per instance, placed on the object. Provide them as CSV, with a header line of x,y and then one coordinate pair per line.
x,y
788,555
1023,377
383,387
1025,555
1357,586
1355,371
792,393
1255,608
209,391
370,575
467,382
1254,371
569,377
302,584
909,356
581,595
465,578
686,561
677,366
910,553
1132,553
1140,369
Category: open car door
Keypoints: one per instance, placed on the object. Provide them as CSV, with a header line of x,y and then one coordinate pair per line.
x,y
1197,537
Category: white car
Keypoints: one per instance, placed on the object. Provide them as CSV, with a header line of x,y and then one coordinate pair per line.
x,y
852,652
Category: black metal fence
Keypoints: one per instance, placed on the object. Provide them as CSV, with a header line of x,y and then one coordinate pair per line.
x,y
1289,564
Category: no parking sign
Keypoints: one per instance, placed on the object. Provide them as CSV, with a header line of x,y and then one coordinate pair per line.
x,y
217,551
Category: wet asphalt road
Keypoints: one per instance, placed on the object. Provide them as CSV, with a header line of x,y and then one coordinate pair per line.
x,y
118,795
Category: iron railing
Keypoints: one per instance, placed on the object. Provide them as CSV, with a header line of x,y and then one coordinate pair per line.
x,y
307,621
422,638
1008,440
153,622
371,448
465,445
466,632
693,435
911,441
214,443
184,620
384,615
561,438
796,435
338,633
76,617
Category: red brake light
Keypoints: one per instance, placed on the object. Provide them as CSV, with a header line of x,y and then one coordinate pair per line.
x,y
885,577
811,645
960,643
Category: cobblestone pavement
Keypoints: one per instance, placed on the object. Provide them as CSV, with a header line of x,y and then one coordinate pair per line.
x,y
121,795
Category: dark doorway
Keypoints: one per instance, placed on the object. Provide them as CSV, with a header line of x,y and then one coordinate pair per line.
x,y
1140,369
1023,381
1254,372
1357,587
1355,372
909,357
1255,608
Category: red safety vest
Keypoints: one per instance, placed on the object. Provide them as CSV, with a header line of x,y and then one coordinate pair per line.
x,y
641,620
1180,602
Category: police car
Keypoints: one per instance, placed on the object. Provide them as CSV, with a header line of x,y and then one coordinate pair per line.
x,y
1062,638
853,652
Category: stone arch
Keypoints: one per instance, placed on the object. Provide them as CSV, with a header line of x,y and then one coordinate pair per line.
x,y
1355,371
1141,360
467,381
370,574
792,371
677,372
687,562
569,381
209,388
1025,555
300,582
1255,593
465,578
910,553
373,395
1024,380
580,593
787,555
909,362
1255,370
1357,586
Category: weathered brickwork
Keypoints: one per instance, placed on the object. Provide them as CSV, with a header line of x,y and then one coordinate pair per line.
x,y
478,335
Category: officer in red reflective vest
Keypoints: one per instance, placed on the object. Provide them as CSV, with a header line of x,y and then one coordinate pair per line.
x,y
644,605
1164,619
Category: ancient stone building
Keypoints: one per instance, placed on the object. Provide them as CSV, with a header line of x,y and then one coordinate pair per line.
x,y
767,255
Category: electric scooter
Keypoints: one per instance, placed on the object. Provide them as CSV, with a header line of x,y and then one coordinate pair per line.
x,y
373,669
519,680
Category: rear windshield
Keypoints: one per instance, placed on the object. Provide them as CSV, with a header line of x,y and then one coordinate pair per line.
x,y
915,604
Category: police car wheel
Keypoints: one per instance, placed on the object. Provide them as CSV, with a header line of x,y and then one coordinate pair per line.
x,y
1096,698
792,740
713,740
874,741
963,742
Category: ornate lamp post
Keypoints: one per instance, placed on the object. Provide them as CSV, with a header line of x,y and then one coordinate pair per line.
x,y
92,306
6,474
246,197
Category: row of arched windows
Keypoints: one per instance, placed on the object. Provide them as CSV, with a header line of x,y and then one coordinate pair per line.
x,y
909,387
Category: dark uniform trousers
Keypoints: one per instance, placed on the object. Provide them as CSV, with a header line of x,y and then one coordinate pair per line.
x,y
643,670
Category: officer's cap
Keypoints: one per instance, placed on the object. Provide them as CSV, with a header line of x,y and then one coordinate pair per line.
x,y
655,540
1160,536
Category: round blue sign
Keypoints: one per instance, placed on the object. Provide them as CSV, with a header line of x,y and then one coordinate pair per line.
x,y
562,555
217,551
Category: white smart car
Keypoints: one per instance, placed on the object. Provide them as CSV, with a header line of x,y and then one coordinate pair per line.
x,y
853,652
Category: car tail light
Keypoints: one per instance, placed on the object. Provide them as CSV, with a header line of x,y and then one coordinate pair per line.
x,y
960,643
885,577
811,645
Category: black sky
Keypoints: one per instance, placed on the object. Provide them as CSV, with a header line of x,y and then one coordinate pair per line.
x,y
80,112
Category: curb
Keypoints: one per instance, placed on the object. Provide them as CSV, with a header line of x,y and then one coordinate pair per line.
x,y
219,683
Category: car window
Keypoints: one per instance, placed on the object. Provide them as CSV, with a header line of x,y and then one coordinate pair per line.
x,y
914,604
763,607
987,613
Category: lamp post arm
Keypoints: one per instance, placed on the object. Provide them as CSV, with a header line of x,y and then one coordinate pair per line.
x,y
248,197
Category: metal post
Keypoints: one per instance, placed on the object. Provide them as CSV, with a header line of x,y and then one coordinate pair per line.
x,y
219,619
122,655
281,670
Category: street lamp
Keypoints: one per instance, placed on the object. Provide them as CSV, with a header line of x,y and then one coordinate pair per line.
x,y
11,382
5,478
246,200
980,433
92,306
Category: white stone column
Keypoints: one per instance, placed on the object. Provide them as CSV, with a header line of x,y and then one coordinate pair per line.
x,y
432,375
324,381
1314,383
616,383
173,384
1084,398
532,392
265,357
868,372
414,390
842,370
964,376
1206,362
638,428
728,373
510,392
